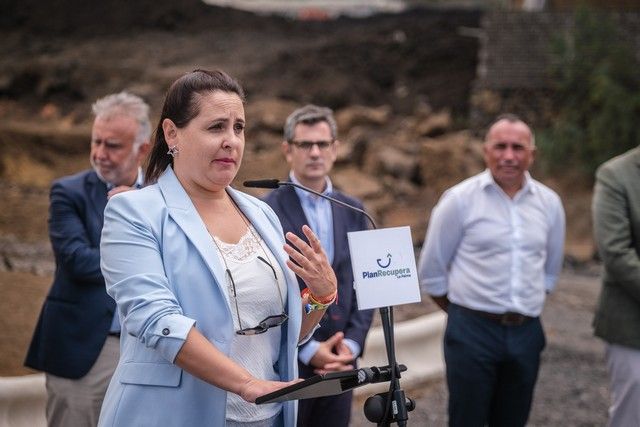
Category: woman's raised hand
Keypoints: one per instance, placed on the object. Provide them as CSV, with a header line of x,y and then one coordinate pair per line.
x,y
310,263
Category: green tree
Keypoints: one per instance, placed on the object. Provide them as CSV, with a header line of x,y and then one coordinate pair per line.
x,y
598,87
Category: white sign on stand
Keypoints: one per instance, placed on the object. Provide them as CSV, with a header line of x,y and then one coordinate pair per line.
x,y
384,267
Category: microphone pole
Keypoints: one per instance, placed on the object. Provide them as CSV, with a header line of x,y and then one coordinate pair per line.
x,y
274,183
377,408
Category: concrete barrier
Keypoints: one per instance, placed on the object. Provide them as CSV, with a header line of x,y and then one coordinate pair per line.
x,y
418,345
22,401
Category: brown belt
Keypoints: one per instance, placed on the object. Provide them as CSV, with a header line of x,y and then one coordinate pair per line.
x,y
509,318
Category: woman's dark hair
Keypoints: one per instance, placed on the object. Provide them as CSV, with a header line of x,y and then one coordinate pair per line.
x,y
181,106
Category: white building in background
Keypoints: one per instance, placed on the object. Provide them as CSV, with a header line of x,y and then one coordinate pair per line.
x,y
533,5
314,9
328,9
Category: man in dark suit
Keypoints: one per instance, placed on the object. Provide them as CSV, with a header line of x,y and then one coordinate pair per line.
x,y
76,338
616,221
310,147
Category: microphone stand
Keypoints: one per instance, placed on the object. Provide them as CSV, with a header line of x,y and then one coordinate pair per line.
x,y
382,408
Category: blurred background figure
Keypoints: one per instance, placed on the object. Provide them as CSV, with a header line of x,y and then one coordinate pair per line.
x,y
616,220
310,147
493,249
76,340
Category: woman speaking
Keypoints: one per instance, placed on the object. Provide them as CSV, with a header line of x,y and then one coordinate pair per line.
x,y
204,281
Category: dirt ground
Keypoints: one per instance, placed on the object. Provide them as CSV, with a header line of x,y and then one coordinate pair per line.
x,y
572,388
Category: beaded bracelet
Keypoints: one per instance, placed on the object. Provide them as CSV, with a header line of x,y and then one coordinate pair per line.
x,y
314,303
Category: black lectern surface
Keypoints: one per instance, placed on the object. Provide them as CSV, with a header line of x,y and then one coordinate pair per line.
x,y
329,384
316,386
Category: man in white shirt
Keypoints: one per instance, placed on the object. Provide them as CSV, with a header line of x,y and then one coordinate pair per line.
x,y
493,249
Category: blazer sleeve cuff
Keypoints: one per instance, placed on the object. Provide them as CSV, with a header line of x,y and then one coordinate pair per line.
x,y
307,338
169,334
550,283
306,353
353,346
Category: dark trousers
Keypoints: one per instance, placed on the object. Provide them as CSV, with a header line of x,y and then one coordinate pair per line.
x,y
334,411
491,369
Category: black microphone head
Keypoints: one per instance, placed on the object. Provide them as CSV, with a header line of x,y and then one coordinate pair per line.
x,y
262,183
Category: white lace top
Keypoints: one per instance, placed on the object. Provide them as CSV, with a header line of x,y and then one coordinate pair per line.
x,y
257,298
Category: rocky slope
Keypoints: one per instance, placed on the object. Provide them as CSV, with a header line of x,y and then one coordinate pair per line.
x,y
399,85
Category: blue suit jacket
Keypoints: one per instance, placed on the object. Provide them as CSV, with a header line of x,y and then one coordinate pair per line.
x,y
77,313
161,267
343,316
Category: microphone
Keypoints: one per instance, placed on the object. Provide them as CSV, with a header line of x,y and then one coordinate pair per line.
x,y
274,183
262,183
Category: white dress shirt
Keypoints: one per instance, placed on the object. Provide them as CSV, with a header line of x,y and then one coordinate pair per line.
x,y
489,252
319,214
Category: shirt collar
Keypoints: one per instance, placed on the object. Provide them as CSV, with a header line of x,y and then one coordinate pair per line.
x,y
328,189
140,179
486,180
138,184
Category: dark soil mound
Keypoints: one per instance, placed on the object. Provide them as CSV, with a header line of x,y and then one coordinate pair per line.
x,y
114,17
386,59
390,59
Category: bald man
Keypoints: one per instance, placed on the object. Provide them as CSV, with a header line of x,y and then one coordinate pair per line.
x,y
493,250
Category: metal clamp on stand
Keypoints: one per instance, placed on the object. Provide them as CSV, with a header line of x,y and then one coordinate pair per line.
x,y
375,408
392,406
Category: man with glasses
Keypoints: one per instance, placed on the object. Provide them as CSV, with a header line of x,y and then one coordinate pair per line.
x,y
310,147
76,340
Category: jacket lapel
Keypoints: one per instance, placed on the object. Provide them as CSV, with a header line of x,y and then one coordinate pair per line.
x,y
292,209
339,231
97,191
266,231
182,211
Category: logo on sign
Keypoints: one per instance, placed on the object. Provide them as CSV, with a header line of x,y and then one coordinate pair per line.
x,y
379,261
384,263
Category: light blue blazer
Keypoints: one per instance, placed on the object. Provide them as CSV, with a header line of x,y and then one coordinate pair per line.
x,y
165,276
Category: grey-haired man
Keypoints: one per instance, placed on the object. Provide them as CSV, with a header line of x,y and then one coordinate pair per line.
x,y
76,338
